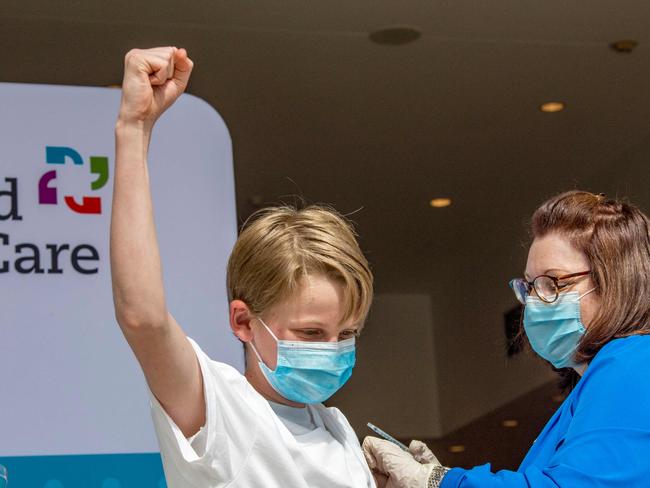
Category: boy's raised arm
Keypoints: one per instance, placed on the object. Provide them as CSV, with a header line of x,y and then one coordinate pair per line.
x,y
153,80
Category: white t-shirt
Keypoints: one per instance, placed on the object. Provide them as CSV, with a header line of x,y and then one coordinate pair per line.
x,y
249,442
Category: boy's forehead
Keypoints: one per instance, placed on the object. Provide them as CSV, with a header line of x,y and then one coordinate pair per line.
x,y
316,294
319,301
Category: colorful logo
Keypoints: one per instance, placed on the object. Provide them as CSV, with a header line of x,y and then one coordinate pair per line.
x,y
48,195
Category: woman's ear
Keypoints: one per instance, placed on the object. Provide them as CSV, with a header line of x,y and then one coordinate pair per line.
x,y
240,320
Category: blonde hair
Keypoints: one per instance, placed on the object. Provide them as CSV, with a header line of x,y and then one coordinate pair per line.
x,y
279,246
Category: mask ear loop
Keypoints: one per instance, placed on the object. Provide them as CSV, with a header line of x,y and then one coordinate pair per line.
x,y
586,293
253,345
255,351
268,328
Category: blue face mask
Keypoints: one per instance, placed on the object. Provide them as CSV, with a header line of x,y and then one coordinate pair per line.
x,y
554,329
309,372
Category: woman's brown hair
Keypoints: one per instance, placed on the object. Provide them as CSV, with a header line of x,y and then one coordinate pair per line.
x,y
614,235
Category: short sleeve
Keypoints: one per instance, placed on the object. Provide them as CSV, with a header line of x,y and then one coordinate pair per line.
x,y
199,441
219,449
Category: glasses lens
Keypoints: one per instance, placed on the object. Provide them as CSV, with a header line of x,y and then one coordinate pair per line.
x,y
545,288
520,288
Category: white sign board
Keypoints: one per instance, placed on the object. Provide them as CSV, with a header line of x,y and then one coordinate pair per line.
x,y
69,383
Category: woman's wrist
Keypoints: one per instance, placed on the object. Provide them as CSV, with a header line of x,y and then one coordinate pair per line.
x,y
436,476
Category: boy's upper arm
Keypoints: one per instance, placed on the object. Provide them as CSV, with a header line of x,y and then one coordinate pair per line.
x,y
172,371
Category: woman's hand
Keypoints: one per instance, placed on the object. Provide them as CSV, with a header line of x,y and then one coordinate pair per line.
x,y
393,467
153,80
421,452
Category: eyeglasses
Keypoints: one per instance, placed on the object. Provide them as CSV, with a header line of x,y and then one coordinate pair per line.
x,y
546,287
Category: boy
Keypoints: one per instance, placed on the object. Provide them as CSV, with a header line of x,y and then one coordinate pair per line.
x,y
299,290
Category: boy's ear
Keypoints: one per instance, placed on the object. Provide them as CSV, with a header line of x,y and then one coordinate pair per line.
x,y
240,320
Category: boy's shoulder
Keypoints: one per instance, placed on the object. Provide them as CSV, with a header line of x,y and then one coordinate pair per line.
x,y
332,415
213,368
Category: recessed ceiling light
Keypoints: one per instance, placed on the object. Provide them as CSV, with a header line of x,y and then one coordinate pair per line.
x,y
440,202
510,423
624,45
457,448
395,35
551,107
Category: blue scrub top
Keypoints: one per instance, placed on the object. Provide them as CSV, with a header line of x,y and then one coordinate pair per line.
x,y
600,435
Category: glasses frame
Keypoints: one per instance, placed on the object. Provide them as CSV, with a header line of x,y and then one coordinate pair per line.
x,y
530,285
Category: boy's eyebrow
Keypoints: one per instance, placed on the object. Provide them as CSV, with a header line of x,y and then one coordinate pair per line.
x,y
307,323
318,323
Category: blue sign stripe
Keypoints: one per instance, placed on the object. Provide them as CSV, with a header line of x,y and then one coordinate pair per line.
x,y
85,471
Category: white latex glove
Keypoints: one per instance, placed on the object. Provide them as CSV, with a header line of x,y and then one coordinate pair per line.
x,y
396,468
421,452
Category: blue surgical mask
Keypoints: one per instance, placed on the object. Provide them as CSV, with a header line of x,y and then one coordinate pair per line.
x,y
309,372
555,329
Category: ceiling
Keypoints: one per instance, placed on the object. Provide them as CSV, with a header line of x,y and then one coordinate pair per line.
x,y
318,111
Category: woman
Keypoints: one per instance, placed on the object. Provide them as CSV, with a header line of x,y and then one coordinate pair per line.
x,y
586,293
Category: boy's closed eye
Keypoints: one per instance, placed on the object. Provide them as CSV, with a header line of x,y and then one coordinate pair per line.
x,y
319,334
309,334
348,334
